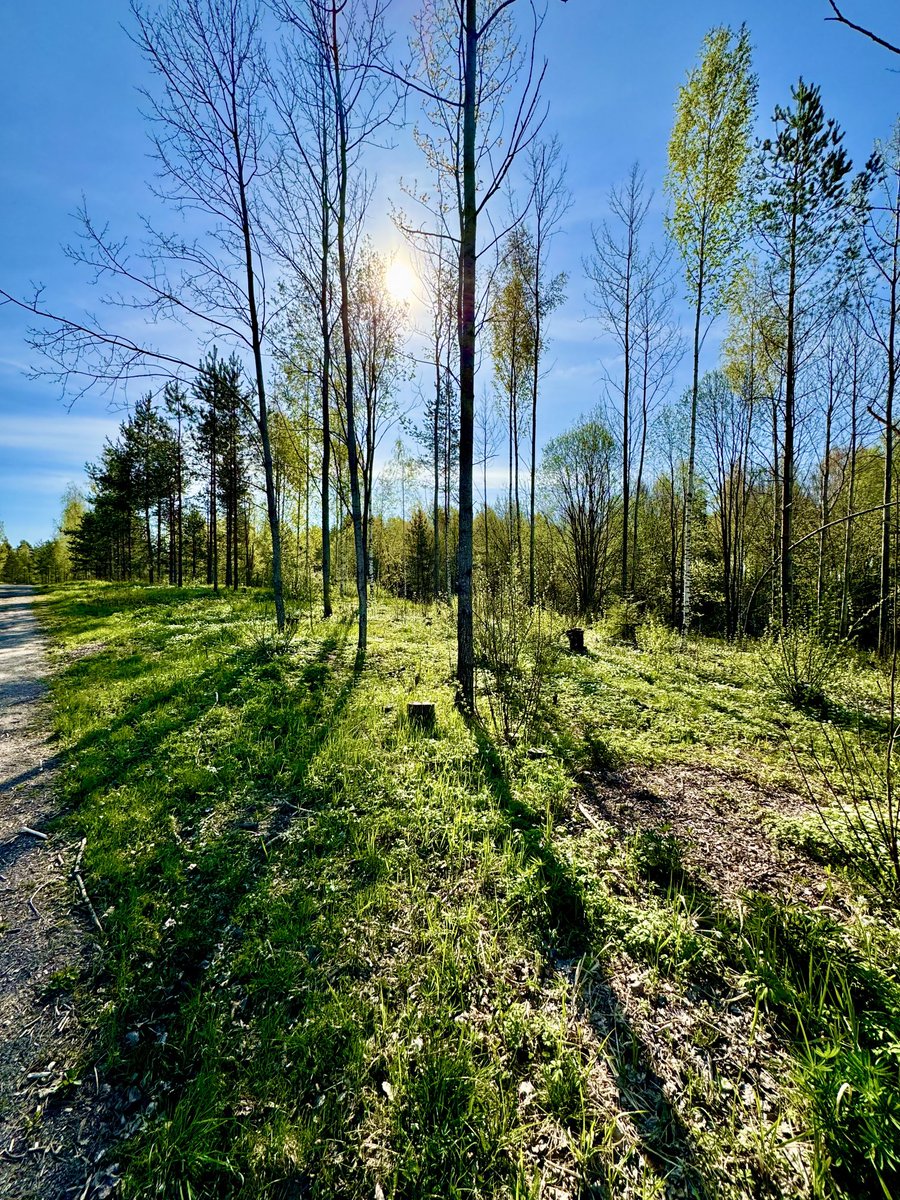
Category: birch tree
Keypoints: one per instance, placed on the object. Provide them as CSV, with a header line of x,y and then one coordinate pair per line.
x,y
881,238
707,180
348,42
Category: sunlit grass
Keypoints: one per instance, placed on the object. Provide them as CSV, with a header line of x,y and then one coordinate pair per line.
x,y
358,956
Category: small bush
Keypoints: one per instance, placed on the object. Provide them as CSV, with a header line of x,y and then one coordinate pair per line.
x,y
268,640
656,854
599,754
621,622
800,662
655,638
517,648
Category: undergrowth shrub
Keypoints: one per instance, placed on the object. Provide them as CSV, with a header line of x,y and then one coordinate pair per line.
x,y
653,637
267,640
853,786
800,662
599,755
517,651
621,621
656,854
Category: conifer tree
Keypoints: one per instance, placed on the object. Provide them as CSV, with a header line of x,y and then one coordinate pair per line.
x,y
802,215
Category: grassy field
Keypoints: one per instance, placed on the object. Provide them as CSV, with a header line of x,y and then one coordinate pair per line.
x,y
344,957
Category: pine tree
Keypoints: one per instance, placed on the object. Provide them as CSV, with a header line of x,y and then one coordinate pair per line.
x,y
802,215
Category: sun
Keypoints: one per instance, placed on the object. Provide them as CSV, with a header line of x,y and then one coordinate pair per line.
x,y
400,281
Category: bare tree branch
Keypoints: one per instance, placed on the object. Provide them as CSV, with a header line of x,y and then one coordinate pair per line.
x,y
840,19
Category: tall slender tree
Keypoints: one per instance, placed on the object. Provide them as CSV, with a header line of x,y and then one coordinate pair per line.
x,y
615,269
513,326
801,217
469,61
349,42
551,200
881,239
707,179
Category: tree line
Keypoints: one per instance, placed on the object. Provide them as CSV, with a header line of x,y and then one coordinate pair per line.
x,y
765,492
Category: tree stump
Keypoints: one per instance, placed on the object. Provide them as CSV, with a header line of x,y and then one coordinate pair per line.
x,y
576,641
421,714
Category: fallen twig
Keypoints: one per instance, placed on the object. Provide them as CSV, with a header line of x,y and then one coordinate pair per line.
x,y
588,816
295,807
86,898
79,854
34,832
31,903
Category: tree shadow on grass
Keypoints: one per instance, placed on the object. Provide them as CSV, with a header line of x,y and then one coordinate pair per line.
x,y
854,720
280,944
186,857
827,1004
566,933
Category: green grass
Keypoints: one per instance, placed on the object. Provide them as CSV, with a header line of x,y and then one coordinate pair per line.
x,y
358,956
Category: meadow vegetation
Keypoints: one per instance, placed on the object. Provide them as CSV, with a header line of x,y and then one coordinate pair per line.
x,y
607,950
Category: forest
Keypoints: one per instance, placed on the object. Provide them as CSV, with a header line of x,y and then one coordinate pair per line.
x,y
459,811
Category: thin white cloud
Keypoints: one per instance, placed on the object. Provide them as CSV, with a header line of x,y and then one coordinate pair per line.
x,y
12,366
65,435
30,502
590,372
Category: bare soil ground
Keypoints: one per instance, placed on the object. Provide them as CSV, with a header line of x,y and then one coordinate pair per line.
x,y
721,821
708,1060
54,1107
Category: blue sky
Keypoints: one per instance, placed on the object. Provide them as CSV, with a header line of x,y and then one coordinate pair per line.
x,y
72,126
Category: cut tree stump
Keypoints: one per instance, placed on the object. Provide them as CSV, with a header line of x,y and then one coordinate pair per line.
x,y
421,714
576,641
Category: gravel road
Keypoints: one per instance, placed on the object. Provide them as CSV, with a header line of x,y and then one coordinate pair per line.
x,y
52,1120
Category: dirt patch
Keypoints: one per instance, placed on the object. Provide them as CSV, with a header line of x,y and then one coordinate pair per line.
x,y
720,819
54,1106
88,650
676,1064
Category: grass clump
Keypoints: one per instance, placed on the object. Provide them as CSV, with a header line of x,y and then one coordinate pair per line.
x,y
842,1012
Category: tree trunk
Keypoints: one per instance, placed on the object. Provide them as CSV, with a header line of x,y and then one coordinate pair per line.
x,y
626,415
787,470
326,414
826,485
535,380
149,533
436,583
851,498
686,598
256,343
350,417
465,640
884,607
